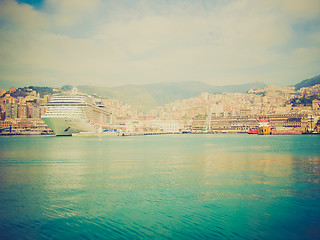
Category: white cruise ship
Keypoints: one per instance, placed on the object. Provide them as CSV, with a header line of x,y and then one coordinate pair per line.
x,y
75,113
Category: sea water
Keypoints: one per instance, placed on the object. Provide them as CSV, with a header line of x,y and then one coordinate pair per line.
x,y
219,186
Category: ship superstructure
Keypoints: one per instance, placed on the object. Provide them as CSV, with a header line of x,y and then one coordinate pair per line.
x,y
75,113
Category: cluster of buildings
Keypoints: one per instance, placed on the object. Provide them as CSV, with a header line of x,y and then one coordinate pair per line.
x,y
22,110
226,112
271,100
310,91
230,112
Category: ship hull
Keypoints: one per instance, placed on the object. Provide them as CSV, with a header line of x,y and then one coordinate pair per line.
x,y
66,126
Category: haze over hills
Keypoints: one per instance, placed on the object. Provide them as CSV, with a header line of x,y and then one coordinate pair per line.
x,y
146,97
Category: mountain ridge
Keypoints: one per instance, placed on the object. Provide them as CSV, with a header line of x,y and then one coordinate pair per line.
x,y
147,96
308,82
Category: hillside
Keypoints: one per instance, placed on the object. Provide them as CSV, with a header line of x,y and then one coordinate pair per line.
x,y
308,82
146,97
137,97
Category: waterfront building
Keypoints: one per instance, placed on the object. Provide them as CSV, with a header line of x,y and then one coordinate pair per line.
x,y
199,123
22,111
7,123
11,110
171,126
238,124
245,112
35,111
293,121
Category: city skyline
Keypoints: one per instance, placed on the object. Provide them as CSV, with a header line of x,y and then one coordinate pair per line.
x,y
107,43
288,110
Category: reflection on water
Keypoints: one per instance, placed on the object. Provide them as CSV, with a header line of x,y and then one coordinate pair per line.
x,y
176,187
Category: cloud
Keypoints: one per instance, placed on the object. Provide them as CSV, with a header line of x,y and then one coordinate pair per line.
x,y
21,16
70,12
300,9
113,43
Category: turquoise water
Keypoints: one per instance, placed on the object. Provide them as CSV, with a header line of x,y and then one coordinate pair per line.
x,y
160,187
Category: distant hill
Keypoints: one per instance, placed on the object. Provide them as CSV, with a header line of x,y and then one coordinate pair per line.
x,y
129,94
146,97
168,92
308,82
42,90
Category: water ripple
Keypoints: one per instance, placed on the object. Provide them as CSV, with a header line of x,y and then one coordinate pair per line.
x,y
167,187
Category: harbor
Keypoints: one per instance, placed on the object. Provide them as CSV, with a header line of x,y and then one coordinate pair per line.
x,y
164,120
69,112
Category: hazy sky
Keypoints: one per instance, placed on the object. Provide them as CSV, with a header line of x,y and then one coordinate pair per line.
x,y
115,42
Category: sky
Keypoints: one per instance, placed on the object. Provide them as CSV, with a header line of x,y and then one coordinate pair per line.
x,y
113,42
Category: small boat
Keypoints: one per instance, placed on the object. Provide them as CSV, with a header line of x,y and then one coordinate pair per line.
x,y
264,127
